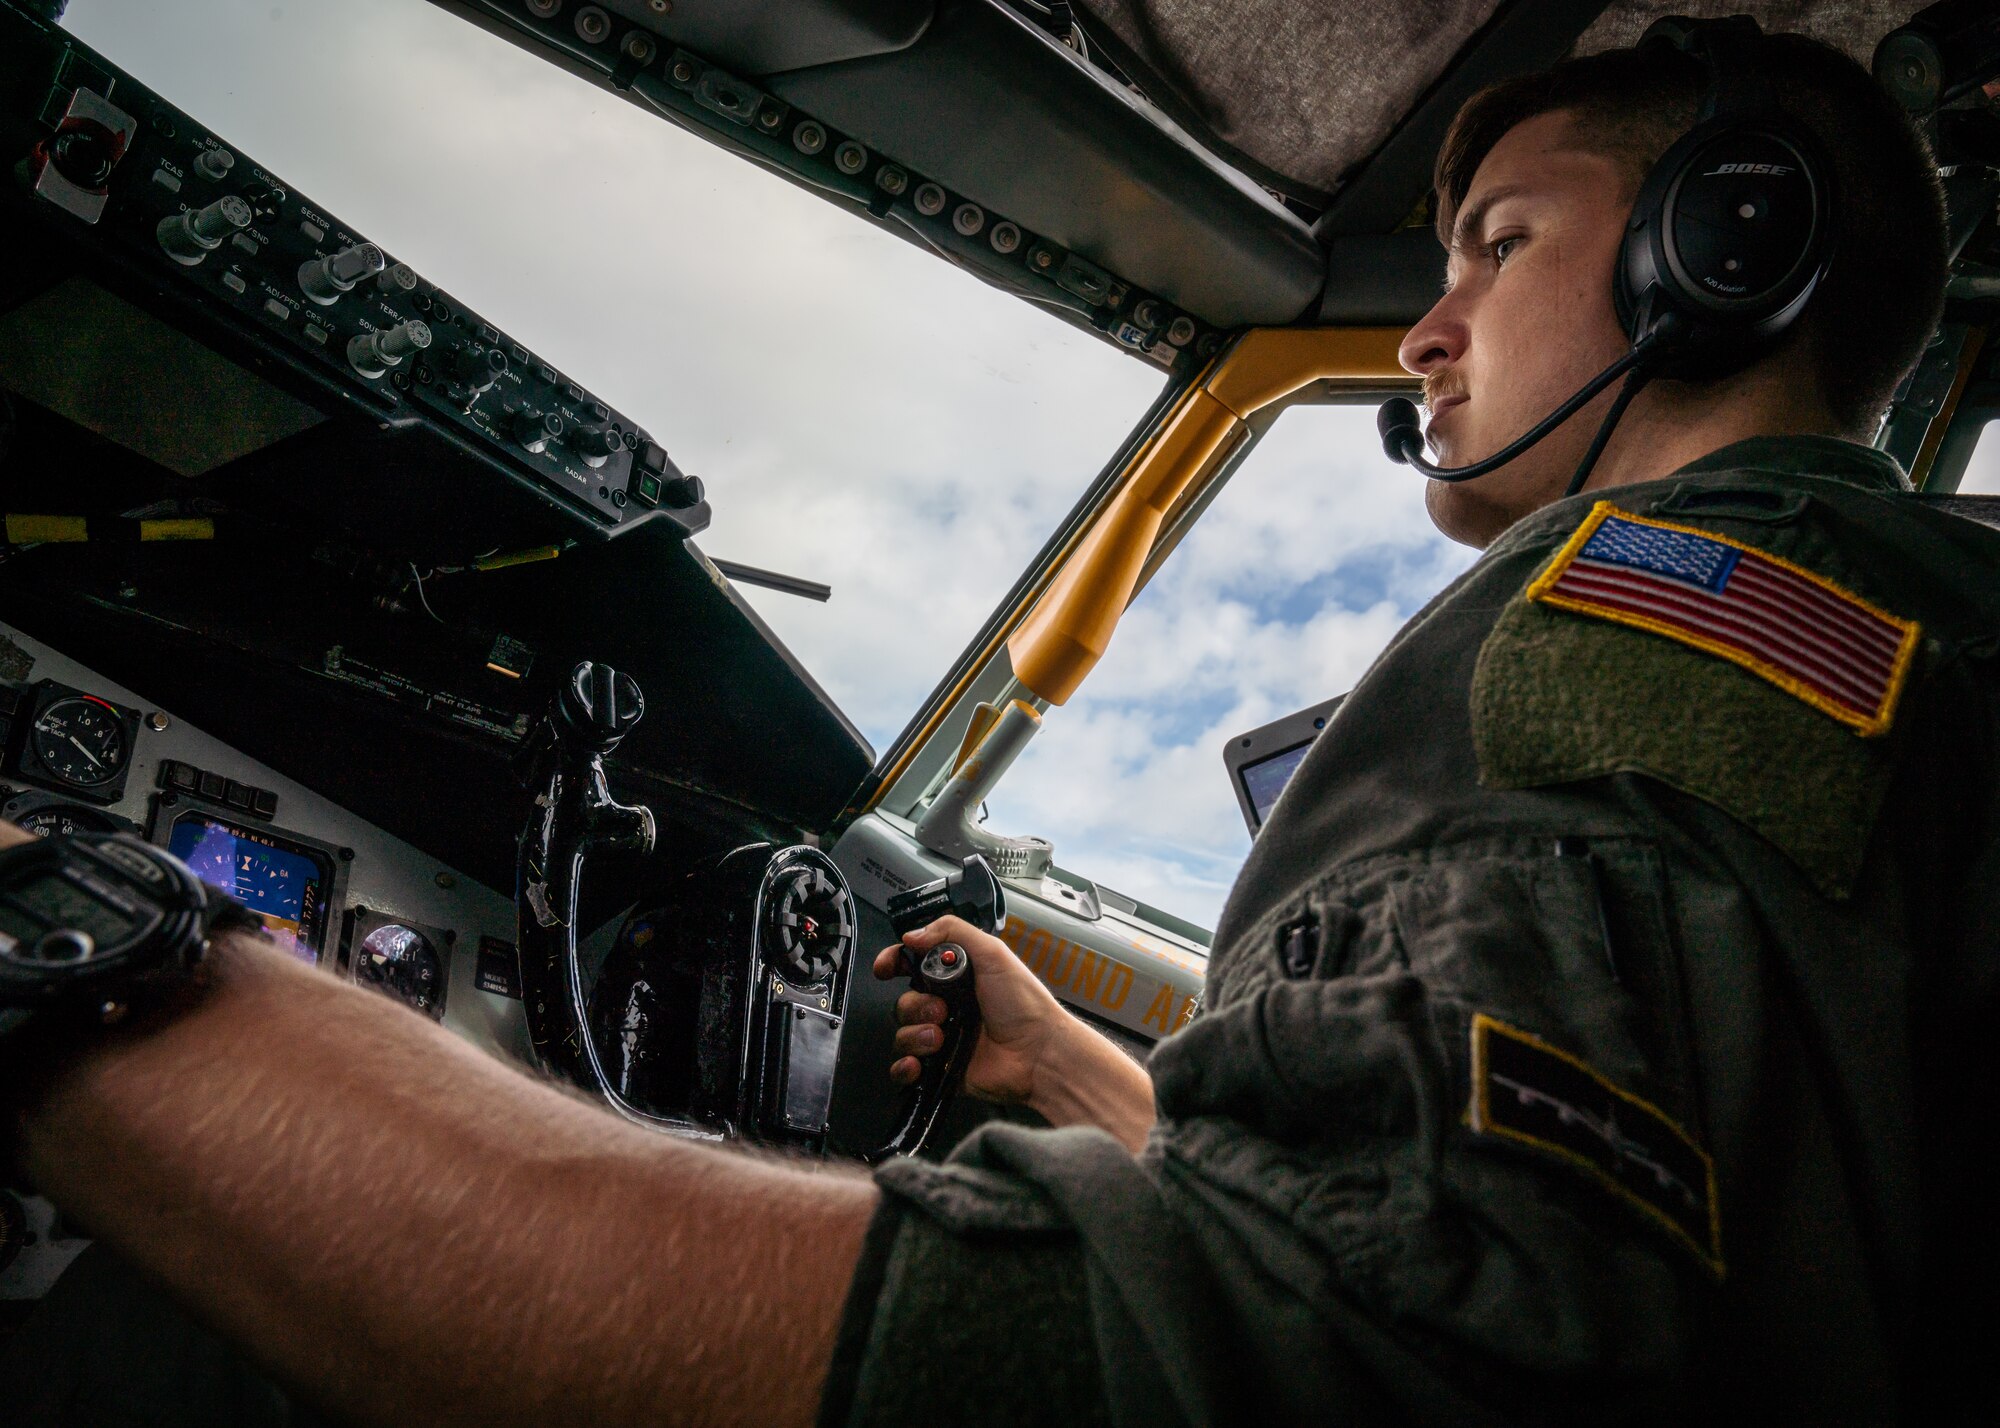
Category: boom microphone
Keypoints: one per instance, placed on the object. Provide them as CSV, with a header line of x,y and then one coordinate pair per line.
x,y
1403,435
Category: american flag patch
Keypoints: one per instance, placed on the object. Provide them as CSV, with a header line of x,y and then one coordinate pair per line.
x,y
1802,632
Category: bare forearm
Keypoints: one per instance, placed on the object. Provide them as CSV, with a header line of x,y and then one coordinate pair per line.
x,y
413,1232
1086,1080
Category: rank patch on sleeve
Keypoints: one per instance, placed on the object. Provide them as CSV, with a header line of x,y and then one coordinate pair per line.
x,y
1803,633
1524,1090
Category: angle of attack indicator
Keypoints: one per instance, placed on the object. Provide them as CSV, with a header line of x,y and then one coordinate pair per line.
x,y
82,740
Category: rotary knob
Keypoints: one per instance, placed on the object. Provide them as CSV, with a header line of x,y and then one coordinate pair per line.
x,y
191,235
477,367
325,279
536,430
594,444
373,353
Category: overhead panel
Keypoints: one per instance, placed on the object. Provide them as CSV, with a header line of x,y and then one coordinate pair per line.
x,y
764,36
989,105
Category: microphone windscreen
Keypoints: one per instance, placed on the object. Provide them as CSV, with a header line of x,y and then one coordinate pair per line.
x,y
1397,422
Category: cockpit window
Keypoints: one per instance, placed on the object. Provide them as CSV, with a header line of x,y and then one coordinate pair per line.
x,y
863,415
1982,468
1312,556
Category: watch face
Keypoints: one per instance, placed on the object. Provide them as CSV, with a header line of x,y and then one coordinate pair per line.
x,y
81,740
50,920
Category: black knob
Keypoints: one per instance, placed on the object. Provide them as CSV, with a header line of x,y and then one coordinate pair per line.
x,y
535,432
972,893
807,929
598,706
265,202
595,444
86,154
680,492
477,367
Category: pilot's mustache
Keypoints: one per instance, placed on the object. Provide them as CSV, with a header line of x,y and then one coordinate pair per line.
x,y
1436,389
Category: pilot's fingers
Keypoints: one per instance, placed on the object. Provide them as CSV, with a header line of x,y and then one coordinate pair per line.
x,y
10,835
918,1040
905,1071
889,964
920,1008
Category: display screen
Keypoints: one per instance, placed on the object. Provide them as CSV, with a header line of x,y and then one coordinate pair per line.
x,y
50,900
283,882
1266,779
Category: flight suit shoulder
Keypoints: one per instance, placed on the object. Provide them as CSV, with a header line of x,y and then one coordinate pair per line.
x,y
1750,640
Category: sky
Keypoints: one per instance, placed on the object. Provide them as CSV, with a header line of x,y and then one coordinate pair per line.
x,y
863,414
1982,469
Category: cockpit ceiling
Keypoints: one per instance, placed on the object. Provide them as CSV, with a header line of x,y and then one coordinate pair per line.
x,y
1301,92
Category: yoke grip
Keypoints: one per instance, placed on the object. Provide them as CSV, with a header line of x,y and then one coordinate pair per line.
x,y
974,894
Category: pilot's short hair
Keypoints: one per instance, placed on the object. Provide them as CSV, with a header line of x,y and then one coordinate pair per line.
x,y
1866,326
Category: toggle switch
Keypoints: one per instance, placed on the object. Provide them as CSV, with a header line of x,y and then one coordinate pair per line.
x,y
192,234
373,353
325,279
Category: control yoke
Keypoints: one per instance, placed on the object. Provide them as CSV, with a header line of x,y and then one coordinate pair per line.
x,y
974,894
574,816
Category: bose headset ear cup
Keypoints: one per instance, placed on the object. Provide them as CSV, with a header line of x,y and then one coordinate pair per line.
x,y
1733,227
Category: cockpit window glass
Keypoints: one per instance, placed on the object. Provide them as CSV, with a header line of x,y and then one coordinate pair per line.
x,y
1982,468
863,414
1279,597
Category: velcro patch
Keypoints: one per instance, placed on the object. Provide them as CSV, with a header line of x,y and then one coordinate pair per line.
x,y
1524,1090
1826,645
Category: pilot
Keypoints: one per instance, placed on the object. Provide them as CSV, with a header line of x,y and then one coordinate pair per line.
x,y
1590,1036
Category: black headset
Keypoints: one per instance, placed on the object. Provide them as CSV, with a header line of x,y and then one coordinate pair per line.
x,y
1729,238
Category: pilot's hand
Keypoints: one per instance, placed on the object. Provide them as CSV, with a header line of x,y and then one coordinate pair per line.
x,y
1020,1019
10,835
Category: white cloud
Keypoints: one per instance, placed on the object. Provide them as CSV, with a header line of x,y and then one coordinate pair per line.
x,y
863,413
1280,597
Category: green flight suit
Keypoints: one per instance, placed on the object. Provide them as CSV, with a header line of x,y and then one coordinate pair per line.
x,y
1593,1034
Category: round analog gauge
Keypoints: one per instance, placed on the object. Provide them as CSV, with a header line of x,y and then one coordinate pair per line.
x,y
402,962
81,740
61,820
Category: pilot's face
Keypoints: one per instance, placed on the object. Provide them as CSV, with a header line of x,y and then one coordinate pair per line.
x,y
1527,318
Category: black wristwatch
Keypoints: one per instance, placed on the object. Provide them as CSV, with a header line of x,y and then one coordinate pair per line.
x,y
96,924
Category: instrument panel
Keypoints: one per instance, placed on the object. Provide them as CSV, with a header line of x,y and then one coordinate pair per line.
x,y
81,753
112,165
